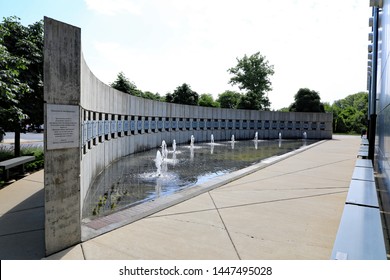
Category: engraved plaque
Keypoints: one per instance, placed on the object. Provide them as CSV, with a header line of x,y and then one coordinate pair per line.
x,y
106,127
94,129
126,126
101,128
120,125
63,126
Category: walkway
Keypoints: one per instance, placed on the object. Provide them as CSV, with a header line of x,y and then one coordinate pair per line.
x,y
288,210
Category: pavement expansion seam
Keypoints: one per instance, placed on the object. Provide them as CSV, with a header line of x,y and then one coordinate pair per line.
x,y
281,200
286,173
21,210
21,232
223,222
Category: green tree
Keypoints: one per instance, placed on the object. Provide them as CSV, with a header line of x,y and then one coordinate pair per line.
x,y
350,113
21,78
327,107
183,95
207,100
151,95
123,84
229,99
11,89
284,109
27,43
307,100
168,97
252,74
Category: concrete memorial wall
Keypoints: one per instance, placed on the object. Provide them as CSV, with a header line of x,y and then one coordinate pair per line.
x,y
89,125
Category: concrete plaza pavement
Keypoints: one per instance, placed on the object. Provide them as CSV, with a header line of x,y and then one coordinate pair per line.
x,y
288,210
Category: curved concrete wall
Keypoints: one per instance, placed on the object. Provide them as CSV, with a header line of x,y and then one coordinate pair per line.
x,y
112,124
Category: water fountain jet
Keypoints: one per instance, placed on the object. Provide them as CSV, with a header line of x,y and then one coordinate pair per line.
x,y
164,150
158,162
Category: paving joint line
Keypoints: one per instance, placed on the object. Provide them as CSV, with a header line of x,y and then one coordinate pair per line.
x,y
261,202
29,180
202,224
179,213
281,189
21,232
287,173
82,251
21,210
280,200
223,222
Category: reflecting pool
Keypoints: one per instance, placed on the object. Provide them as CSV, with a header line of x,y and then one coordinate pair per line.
x,y
145,176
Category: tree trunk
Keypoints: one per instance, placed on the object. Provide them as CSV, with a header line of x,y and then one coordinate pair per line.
x,y
17,142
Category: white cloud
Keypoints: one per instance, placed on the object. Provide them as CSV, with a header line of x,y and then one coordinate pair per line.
x,y
315,44
113,7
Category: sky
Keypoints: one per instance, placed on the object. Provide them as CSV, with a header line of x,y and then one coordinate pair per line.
x,y
161,44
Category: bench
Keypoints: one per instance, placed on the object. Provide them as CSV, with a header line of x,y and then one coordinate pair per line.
x,y
14,162
362,193
363,174
363,151
360,233
363,163
364,141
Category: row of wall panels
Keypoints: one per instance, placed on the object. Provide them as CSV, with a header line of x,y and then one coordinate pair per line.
x,y
107,129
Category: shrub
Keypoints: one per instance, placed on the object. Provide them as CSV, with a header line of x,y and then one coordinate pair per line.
x,y
38,163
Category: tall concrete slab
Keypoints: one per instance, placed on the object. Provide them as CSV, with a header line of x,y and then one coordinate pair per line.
x,y
62,55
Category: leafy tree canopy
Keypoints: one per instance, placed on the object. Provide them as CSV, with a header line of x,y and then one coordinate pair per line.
x,y
11,89
183,95
284,109
350,113
229,99
123,84
252,74
21,72
151,95
307,100
207,100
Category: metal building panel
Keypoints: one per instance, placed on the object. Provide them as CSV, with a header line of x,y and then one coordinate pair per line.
x,y
363,173
362,193
363,163
360,235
